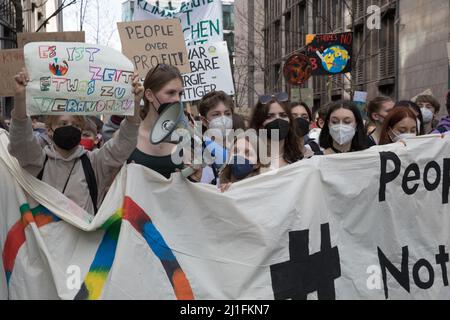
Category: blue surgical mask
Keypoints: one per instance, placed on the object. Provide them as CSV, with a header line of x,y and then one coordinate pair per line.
x,y
241,167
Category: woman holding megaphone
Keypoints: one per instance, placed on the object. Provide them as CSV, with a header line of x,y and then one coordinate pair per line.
x,y
163,86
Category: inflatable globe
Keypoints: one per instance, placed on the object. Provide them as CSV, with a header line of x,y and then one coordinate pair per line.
x,y
335,59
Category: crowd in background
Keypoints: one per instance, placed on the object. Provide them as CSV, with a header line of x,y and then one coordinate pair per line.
x,y
80,156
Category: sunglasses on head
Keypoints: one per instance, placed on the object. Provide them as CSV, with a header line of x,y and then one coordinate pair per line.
x,y
280,97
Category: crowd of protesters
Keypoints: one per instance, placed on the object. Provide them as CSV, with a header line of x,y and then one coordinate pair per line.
x,y
80,156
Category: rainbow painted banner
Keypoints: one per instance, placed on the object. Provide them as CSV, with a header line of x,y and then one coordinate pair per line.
x,y
367,225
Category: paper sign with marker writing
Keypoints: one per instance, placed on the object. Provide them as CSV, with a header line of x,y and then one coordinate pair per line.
x,y
153,42
211,71
77,78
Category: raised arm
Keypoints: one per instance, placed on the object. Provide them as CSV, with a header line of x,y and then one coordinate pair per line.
x,y
24,145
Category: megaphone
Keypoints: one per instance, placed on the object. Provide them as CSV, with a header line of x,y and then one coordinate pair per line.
x,y
171,120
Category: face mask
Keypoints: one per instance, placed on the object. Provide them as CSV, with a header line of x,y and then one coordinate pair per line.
x,y
67,137
87,144
302,127
342,133
427,115
241,167
281,125
222,123
403,136
163,107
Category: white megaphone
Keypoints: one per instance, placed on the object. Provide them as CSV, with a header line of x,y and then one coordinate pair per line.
x,y
173,120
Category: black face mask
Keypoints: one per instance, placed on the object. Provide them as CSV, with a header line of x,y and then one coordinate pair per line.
x,y
163,107
302,127
67,137
281,125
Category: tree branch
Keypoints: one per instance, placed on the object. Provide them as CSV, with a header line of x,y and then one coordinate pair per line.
x,y
57,11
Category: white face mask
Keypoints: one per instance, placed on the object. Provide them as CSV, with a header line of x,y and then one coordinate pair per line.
x,y
223,123
342,133
427,115
398,137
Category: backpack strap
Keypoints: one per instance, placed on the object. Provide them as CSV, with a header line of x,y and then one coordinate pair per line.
x,y
90,179
41,173
89,175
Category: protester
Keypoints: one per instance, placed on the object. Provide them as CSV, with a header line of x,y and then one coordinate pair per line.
x,y
417,112
444,124
377,111
81,175
243,163
163,86
303,117
99,128
216,112
272,113
318,124
343,130
430,108
400,124
89,138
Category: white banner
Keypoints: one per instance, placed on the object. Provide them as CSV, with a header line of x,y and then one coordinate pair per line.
x,y
202,21
77,78
367,225
211,71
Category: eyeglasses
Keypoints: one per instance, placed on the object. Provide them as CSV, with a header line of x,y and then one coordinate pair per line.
x,y
280,97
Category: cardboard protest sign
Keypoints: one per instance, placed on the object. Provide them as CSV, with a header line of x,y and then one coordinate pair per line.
x,y
211,71
149,43
77,78
330,53
202,21
24,38
11,62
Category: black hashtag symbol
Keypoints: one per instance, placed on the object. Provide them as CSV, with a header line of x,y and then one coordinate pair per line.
x,y
305,273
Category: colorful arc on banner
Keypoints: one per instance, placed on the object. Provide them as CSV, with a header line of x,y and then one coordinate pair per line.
x,y
95,280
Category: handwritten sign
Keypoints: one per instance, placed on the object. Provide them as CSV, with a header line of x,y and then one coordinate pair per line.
x,y
148,43
24,38
11,62
202,21
211,71
77,78
330,53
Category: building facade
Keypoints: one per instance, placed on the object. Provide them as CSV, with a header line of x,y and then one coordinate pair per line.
x,y
36,12
250,64
401,58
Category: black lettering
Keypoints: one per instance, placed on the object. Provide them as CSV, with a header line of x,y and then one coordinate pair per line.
x,y
138,32
416,269
446,181
442,259
413,168
387,177
432,186
402,277
129,31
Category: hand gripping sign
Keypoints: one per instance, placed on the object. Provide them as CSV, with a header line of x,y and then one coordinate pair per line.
x,y
77,78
